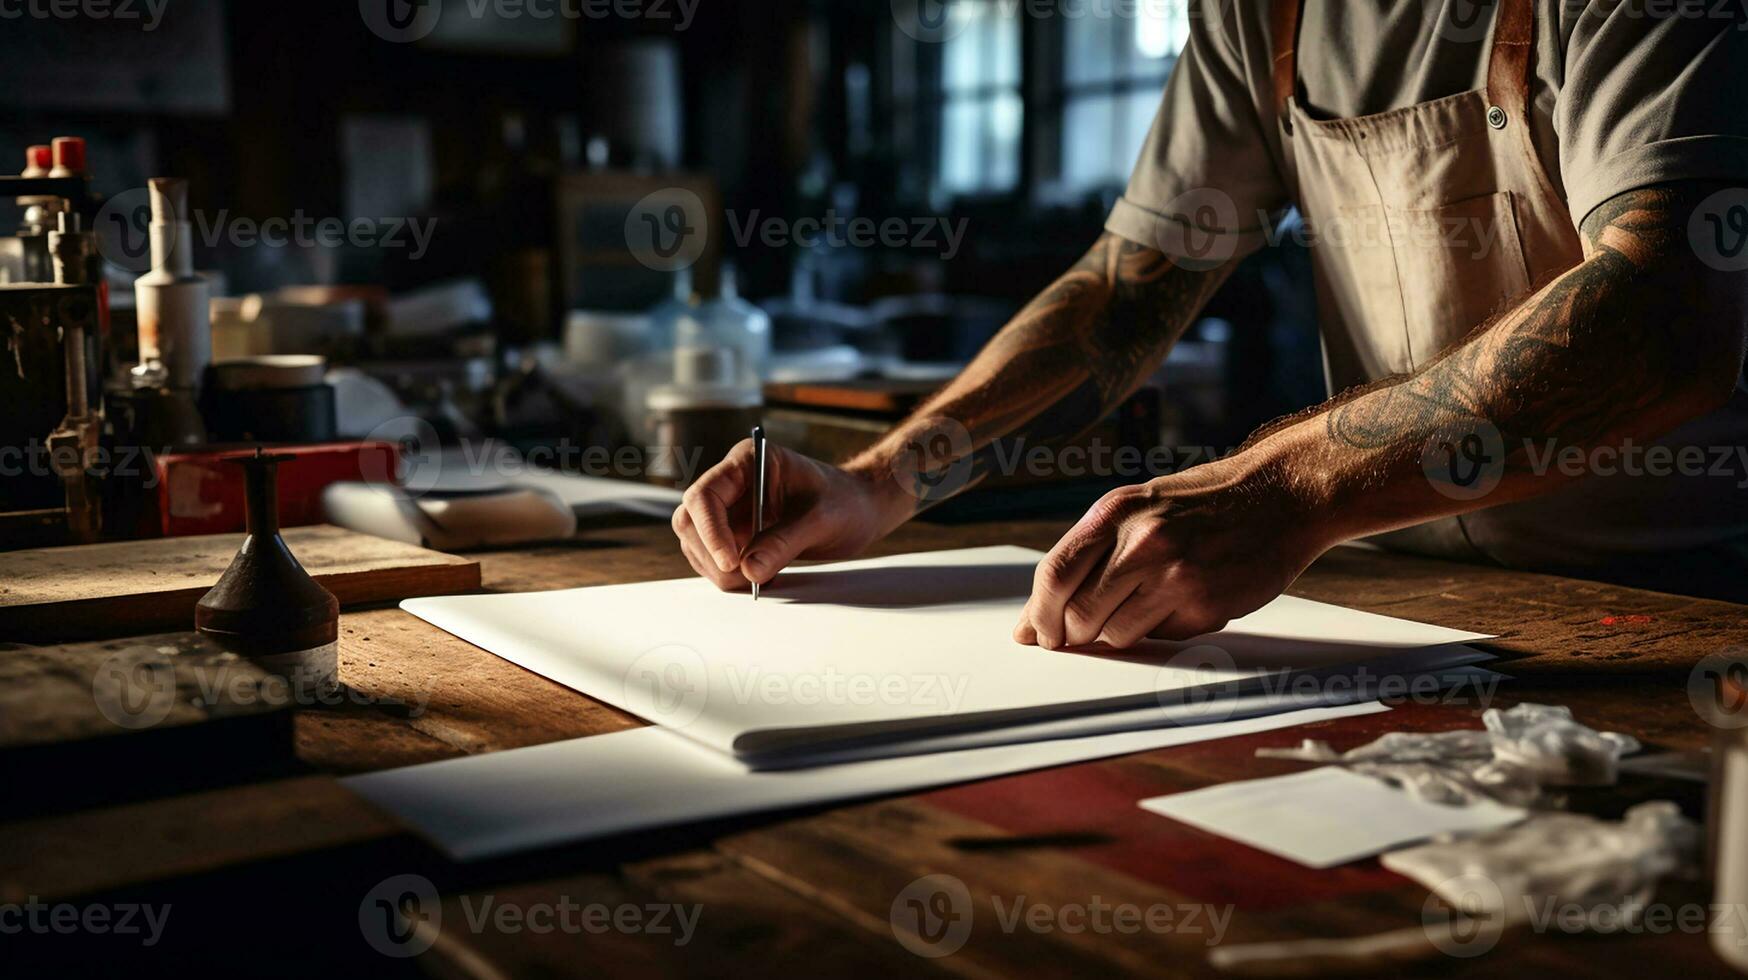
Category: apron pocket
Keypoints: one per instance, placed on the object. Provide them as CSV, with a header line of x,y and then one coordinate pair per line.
x,y
1360,297
1458,264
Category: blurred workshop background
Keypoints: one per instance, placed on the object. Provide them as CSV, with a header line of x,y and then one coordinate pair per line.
x,y
574,223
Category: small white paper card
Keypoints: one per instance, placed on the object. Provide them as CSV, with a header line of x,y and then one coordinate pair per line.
x,y
1324,817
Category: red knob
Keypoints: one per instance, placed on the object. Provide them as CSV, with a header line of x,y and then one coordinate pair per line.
x,y
69,152
38,159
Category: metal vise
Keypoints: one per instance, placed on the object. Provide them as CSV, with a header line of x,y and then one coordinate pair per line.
x,y
49,346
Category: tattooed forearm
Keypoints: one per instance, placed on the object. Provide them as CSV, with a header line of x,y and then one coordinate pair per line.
x,y
1632,341
1566,365
1062,364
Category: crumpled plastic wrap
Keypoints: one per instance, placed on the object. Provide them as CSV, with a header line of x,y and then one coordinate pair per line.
x,y
1544,740
1608,869
1520,751
1549,865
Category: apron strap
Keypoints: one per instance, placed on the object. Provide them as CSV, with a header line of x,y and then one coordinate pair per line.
x,y
1509,70
1284,29
1508,66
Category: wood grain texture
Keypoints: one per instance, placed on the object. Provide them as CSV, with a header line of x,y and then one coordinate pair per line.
x,y
123,688
127,588
815,890
111,847
148,713
1545,623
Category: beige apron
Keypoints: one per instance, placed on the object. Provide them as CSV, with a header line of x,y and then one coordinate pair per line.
x,y
1425,221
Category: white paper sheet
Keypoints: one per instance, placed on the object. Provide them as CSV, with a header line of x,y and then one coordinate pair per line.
x,y
1324,817
582,789
833,657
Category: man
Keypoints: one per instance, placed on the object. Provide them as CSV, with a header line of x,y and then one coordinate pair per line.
x,y
1527,225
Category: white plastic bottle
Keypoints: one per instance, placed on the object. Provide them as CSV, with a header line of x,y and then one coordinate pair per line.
x,y
665,316
175,317
729,321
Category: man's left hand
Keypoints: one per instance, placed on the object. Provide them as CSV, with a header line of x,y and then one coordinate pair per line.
x,y
1172,558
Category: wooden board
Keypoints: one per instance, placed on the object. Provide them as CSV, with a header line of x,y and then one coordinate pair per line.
x,y
142,716
127,588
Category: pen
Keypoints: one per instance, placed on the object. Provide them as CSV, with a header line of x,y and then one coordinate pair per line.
x,y
759,511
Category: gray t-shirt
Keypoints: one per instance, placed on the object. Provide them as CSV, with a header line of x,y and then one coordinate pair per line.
x,y
1627,94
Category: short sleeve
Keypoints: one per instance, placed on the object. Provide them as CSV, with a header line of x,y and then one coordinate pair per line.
x,y
1652,93
1206,180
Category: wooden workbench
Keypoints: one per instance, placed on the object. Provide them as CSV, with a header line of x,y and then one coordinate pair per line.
x,y
268,877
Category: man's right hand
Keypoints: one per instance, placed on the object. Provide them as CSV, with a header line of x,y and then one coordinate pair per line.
x,y
812,510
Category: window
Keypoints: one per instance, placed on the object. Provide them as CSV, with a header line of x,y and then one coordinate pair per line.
x,y
1113,68
956,105
1088,72
980,105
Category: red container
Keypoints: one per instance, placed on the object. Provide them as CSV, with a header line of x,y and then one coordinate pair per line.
x,y
200,493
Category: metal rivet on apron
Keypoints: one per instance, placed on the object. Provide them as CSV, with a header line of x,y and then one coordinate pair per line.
x,y
1496,117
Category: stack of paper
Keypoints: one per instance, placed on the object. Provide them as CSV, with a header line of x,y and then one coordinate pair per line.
x,y
857,679
886,655
587,788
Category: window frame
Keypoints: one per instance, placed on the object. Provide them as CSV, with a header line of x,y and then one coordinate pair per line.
x,y
1045,97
